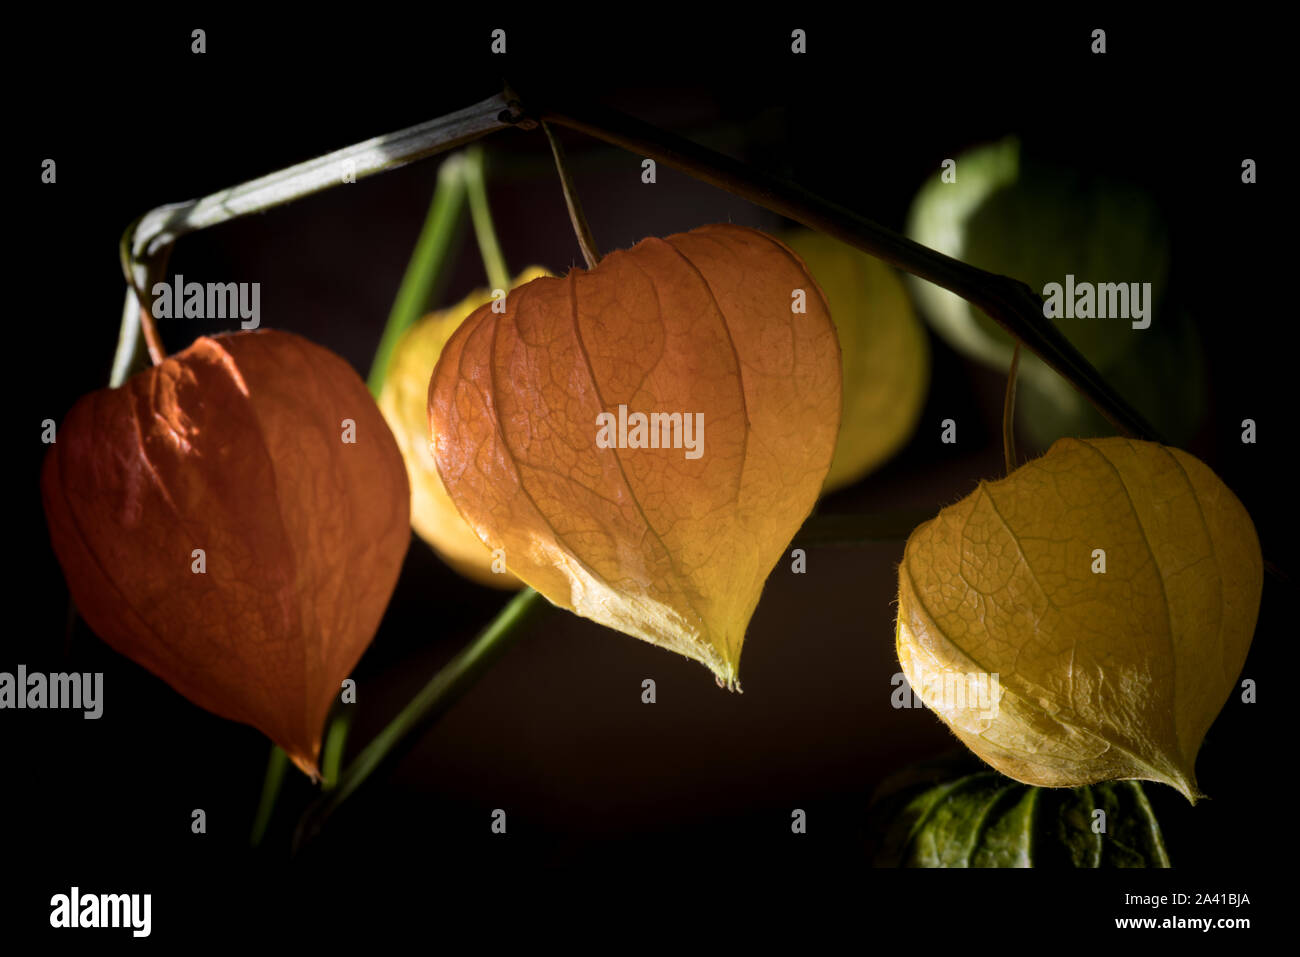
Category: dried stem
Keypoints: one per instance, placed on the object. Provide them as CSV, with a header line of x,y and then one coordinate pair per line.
x,y
1009,413
140,276
580,225
147,240
166,224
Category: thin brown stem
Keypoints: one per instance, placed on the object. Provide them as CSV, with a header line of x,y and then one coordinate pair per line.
x,y
580,224
1009,413
140,276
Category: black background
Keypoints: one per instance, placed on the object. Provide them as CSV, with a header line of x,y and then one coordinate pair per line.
x,y
678,810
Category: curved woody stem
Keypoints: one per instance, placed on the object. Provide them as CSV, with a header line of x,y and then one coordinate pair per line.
x,y
580,225
144,247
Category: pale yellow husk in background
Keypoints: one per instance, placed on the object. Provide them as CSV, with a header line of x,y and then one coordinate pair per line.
x,y
404,400
883,348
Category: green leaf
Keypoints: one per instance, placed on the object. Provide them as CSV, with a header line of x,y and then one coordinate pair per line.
x,y
941,814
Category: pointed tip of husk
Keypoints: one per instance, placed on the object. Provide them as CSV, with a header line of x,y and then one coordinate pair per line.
x,y
1189,790
727,675
1184,784
307,765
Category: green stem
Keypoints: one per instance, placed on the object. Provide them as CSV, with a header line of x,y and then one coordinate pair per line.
x,y
275,766
425,270
493,260
335,738
423,273
443,690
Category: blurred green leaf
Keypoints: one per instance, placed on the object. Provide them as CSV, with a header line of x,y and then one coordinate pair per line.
x,y
1039,222
1164,377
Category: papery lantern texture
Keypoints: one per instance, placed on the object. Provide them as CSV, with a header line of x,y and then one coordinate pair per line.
x,y
237,447
1112,586
718,336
